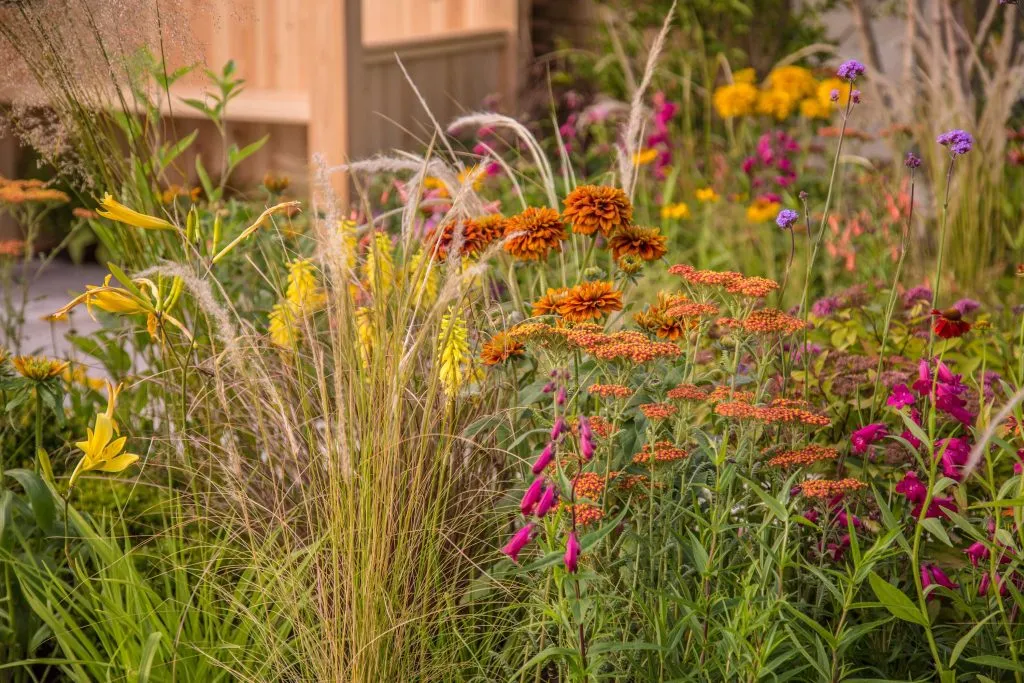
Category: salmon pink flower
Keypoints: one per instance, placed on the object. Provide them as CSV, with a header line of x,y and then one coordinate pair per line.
x,y
572,553
518,541
867,435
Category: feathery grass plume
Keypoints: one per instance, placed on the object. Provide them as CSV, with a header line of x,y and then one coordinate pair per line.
x,y
629,144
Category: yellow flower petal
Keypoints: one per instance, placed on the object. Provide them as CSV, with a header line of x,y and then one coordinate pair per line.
x,y
116,211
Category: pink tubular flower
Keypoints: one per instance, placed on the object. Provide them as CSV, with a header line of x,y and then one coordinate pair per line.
x,y
531,496
955,452
518,541
557,429
586,446
937,508
911,487
585,426
867,435
931,573
572,553
560,396
547,501
545,458
977,552
900,397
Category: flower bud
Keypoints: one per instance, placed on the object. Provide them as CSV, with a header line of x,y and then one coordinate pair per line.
x,y
572,553
558,428
560,396
586,446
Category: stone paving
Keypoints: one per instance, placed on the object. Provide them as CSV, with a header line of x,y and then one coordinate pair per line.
x,y
48,291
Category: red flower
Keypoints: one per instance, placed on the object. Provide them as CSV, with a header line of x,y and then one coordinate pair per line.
x,y
950,323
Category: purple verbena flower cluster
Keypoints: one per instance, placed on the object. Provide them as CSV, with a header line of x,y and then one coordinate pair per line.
x,y
958,141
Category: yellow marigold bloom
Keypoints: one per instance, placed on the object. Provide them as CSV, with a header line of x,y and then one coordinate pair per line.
x,y
453,353
282,329
304,294
101,451
379,267
796,81
115,211
776,103
825,89
707,195
814,108
737,99
644,157
748,76
677,211
38,368
762,211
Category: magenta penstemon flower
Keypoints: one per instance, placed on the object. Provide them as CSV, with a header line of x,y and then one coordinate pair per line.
x,y
531,496
518,541
977,552
912,488
867,435
851,70
558,428
572,553
544,459
900,396
958,141
547,501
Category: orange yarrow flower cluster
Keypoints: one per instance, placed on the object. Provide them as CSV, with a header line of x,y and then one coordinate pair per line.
x,y
829,488
664,451
500,348
593,208
658,411
687,392
770,321
610,390
808,455
534,233
586,514
770,414
732,282
589,485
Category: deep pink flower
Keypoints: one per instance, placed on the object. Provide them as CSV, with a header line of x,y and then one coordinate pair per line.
x,y
545,458
584,423
912,487
557,428
900,396
977,552
924,382
531,496
844,518
547,501
518,541
1018,467
955,452
586,446
867,435
931,573
560,396
937,508
572,553
812,516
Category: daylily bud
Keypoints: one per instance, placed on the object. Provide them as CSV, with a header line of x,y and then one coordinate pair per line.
x,y
531,496
572,553
547,501
544,459
518,541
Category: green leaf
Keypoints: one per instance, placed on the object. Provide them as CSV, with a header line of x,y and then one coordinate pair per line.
x,y
962,643
204,180
39,496
773,504
148,655
237,156
894,600
544,655
934,527
616,646
997,662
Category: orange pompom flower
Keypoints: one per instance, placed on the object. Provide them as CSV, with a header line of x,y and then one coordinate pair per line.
x,y
634,240
532,234
593,208
500,348
590,301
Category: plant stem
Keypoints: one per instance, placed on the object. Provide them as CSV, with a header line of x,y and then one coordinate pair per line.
x,y
942,249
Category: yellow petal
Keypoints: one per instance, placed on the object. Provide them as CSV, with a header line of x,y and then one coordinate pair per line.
x,y
118,464
115,211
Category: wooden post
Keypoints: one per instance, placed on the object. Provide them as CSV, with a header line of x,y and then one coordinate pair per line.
x,y
336,62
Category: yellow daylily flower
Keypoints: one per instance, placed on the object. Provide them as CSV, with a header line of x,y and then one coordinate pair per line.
x,y
106,298
116,211
102,451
